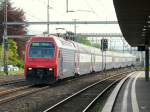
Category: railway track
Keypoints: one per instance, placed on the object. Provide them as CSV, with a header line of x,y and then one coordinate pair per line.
x,y
13,86
82,100
11,82
15,93
19,92
3,83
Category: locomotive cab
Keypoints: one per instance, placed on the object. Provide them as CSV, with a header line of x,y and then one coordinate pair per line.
x,y
40,60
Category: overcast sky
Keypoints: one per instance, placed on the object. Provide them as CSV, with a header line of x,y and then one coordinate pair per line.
x,y
35,10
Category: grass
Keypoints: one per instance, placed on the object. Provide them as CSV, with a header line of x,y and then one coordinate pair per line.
x,y
20,72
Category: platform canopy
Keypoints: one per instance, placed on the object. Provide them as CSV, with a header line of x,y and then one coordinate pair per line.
x,y
134,20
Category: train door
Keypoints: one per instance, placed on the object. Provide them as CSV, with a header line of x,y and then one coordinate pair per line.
x,y
77,64
92,63
60,65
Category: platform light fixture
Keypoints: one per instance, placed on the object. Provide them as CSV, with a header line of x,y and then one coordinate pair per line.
x,y
144,29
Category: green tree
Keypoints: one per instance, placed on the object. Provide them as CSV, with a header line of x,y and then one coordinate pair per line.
x,y
13,57
12,52
84,40
14,15
96,45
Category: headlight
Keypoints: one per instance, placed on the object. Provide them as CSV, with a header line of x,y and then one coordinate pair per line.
x,y
29,68
50,69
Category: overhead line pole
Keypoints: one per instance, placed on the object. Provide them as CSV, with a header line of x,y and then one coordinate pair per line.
x,y
146,63
5,44
48,17
102,56
123,45
67,6
75,30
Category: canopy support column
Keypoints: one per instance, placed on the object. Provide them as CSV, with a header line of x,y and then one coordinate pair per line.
x,y
147,63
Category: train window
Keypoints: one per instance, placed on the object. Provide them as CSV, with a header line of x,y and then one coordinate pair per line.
x,y
41,50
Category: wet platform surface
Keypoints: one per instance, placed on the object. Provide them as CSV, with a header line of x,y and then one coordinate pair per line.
x,y
134,95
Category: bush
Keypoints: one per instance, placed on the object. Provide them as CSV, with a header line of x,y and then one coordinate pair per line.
x,y
13,57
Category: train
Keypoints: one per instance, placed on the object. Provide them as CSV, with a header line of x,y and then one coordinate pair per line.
x,y
49,59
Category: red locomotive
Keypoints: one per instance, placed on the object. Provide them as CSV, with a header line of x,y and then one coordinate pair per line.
x,y
41,60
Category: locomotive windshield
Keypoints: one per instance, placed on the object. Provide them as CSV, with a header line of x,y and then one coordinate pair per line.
x,y
41,50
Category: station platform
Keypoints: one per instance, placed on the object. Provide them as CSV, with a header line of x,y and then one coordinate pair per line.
x,y
134,95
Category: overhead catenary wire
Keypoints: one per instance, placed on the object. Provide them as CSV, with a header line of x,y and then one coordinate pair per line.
x,y
34,17
41,1
92,9
45,4
101,6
